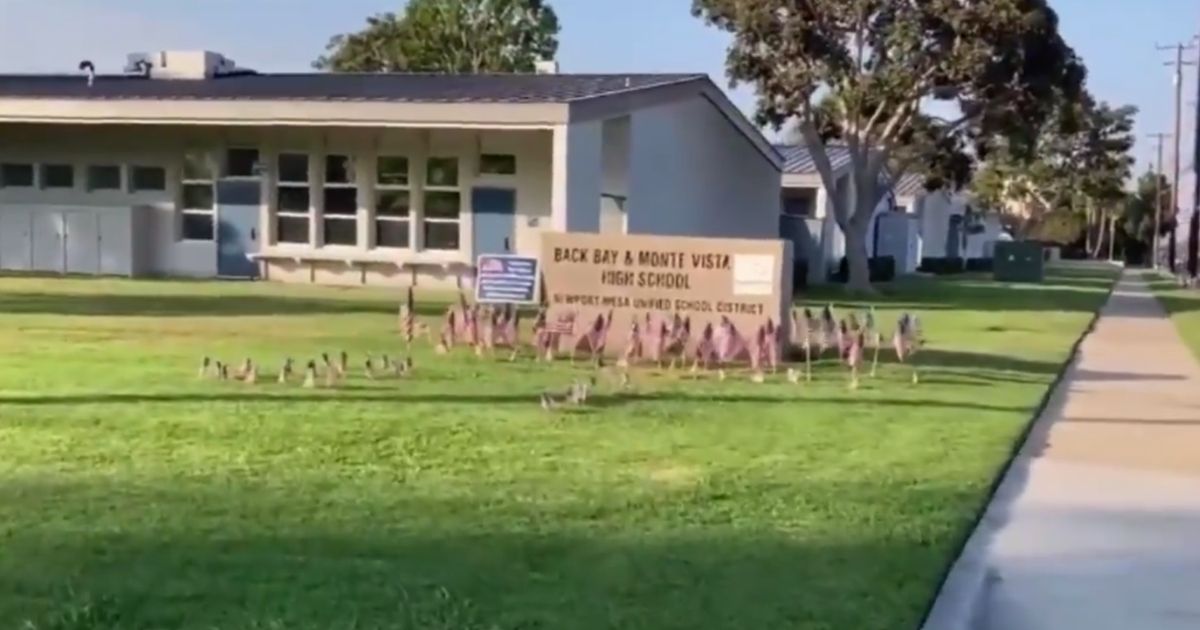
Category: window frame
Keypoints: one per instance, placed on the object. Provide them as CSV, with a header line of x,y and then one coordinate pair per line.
x,y
327,185
131,178
484,157
33,175
306,185
384,188
184,182
434,188
224,165
42,171
90,169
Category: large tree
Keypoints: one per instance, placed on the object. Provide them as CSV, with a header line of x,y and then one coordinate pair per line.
x,y
1000,63
1079,166
449,36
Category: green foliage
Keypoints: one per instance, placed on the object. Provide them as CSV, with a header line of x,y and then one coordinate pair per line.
x,y
450,500
861,70
468,36
1060,227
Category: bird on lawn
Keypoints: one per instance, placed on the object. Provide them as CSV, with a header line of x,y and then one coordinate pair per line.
x,y
310,375
244,369
205,367
343,364
251,375
793,376
369,368
285,372
331,376
328,363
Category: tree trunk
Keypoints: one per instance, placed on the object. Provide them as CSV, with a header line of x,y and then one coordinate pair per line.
x,y
1087,227
858,267
1099,245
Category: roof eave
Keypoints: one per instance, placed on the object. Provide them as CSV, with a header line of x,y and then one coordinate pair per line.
x,y
282,112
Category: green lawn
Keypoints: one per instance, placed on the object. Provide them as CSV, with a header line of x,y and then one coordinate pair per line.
x,y
135,496
1183,305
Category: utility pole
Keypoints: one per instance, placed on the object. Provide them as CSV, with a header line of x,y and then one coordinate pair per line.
x,y
1179,63
1193,253
1158,203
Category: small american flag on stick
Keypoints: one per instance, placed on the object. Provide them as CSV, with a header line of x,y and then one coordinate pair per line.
x,y
408,318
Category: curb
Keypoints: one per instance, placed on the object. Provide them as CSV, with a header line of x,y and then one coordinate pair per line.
x,y
956,604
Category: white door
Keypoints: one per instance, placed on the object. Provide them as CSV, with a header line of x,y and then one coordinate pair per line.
x,y
48,252
16,240
82,242
116,243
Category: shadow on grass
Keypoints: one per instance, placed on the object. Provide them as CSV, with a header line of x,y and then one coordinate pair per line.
x,y
194,305
530,399
1065,290
282,558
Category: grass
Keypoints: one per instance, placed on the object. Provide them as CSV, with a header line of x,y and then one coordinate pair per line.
x,y
1182,304
135,496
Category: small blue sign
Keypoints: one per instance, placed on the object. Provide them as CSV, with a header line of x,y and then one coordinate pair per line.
x,y
506,279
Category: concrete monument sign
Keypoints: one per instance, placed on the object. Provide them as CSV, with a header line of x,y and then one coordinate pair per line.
x,y
589,274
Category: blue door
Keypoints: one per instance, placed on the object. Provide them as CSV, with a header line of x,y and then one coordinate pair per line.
x,y
495,212
237,228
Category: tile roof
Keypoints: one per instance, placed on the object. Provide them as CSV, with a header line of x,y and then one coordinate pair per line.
x,y
402,88
797,160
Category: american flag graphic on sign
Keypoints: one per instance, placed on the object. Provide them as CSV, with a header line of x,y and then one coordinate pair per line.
x,y
506,279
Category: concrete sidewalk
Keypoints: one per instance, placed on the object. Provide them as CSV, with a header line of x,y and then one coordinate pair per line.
x,y
1097,523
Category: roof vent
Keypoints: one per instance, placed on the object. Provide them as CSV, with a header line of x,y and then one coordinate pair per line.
x,y
545,66
90,69
181,64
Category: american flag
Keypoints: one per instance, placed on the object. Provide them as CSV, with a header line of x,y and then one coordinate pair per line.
x,y
561,325
491,265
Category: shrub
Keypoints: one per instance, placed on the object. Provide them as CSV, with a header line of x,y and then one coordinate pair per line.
x,y
980,265
942,266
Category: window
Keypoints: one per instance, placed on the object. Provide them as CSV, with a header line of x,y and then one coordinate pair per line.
x,y
392,202
16,175
147,178
58,176
443,202
292,202
799,202
497,164
196,190
104,177
240,162
341,201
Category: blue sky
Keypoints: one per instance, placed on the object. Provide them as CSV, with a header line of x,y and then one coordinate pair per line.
x,y
1115,37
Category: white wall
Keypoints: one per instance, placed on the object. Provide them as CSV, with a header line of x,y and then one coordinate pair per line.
x,y
164,146
692,173
123,146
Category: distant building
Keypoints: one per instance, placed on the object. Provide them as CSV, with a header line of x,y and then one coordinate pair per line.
x,y
188,165
807,215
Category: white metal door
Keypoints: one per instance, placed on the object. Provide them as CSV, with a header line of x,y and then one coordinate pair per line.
x,y
48,252
116,243
16,240
82,242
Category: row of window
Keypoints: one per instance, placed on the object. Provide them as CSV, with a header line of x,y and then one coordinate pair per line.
x,y
338,187
96,177
339,191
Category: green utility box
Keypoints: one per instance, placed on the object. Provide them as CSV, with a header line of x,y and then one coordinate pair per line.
x,y
1019,261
